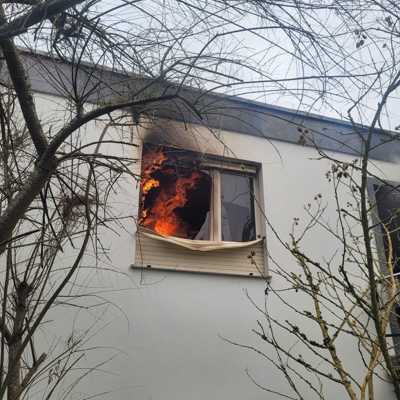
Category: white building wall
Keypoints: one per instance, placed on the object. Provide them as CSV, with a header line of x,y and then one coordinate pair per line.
x,y
165,334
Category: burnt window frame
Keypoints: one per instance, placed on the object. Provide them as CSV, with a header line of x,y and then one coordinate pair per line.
x,y
214,165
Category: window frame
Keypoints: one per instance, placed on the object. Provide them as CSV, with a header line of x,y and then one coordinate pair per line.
x,y
215,170
246,260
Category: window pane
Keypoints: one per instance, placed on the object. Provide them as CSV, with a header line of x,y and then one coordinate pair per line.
x,y
237,208
175,193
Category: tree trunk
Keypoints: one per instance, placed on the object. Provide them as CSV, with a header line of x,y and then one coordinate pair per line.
x,y
14,357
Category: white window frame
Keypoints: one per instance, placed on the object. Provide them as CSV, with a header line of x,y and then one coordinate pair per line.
x,y
215,169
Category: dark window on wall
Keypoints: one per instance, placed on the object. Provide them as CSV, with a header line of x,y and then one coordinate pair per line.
x,y
187,195
387,199
388,207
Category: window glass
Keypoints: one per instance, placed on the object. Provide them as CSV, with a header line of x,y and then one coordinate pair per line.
x,y
237,208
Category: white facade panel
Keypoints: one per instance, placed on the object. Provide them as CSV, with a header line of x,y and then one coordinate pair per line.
x,y
166,333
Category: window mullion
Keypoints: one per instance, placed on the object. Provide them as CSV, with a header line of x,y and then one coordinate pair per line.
x,y
216,232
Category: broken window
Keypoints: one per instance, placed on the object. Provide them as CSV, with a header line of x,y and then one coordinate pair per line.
x,y
187,195
176,193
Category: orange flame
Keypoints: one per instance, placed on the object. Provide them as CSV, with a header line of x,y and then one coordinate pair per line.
x,y
149,184
172,194
151,162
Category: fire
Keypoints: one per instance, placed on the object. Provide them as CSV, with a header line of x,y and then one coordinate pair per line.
x,y
149,184
167,222
152,161
165,193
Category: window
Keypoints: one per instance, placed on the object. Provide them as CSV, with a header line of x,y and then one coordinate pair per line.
x,y
191,196
387,219
388,210
197,213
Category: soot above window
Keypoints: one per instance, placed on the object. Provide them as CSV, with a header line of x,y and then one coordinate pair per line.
x,y
175,193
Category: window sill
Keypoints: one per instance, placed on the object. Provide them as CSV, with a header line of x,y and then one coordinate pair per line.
x,y
203,271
